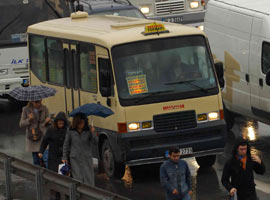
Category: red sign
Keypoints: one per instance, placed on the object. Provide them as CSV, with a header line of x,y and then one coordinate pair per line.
x,y
174,107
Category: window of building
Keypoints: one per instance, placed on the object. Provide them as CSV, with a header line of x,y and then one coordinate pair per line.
x,y
37,57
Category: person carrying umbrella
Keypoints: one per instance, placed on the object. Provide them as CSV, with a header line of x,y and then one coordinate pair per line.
x,y
35,116
54,138
78,143
77,149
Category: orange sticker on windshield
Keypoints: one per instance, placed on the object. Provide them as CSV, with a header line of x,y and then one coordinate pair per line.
x,y
137,84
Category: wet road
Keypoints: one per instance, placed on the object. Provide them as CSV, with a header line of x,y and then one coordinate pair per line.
x,y
145,184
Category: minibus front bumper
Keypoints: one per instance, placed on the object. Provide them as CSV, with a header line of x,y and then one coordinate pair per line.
x,y
147,147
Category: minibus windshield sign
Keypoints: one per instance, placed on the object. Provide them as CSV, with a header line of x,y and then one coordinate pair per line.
x,y
154,28
137,84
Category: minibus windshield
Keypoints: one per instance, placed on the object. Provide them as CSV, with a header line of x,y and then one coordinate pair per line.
x,y
163,70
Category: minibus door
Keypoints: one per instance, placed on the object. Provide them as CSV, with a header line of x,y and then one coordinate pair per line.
x,y
72,92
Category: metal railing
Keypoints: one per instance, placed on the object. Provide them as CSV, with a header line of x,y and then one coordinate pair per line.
x,y
49,179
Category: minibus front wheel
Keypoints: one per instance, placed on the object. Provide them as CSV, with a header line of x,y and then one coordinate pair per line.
x,y
206,161
112,168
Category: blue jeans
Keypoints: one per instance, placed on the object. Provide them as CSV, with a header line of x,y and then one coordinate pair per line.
x,y
36,159
45,157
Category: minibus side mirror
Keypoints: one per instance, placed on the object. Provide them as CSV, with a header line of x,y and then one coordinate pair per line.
x,y
267,78
105,77
220,74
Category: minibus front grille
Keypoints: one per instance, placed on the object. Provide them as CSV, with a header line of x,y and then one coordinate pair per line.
x,y
169,7
175,121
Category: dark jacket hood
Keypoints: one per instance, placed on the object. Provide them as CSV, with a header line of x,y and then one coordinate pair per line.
x,y
61,116
240,142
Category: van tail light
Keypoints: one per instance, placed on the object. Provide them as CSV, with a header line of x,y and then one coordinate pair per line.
x,y
122,127
221,114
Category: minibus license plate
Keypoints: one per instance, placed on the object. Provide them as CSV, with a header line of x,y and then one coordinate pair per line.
x,y
183,151
186,151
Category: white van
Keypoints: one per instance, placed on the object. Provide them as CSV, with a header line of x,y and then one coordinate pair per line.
x,y
239,35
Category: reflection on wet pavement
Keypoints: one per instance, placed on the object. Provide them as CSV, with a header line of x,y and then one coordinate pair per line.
x,y
250,130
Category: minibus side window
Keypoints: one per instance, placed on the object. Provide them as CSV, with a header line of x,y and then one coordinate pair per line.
x,y
265,57
88,68
37,56
55,61
105,77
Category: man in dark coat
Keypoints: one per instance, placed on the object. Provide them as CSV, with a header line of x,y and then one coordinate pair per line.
x,y
237,176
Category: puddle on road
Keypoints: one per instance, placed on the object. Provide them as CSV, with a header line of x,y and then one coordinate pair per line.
x,y
250,130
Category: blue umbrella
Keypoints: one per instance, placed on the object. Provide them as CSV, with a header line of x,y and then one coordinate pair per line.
x,y
92,109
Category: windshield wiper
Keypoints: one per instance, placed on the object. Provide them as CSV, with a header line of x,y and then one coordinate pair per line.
x,y
153,94
190,82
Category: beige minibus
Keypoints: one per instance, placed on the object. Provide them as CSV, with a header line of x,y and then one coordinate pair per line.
x,y
158,79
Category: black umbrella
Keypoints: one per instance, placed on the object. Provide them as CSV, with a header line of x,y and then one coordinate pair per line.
x,y
32,93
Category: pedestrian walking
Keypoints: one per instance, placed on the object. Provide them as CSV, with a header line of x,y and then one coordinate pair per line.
x,y
175,177
35,118
237,176
54,138
77,149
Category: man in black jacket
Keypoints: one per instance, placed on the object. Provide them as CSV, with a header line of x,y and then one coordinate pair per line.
x,y
237,176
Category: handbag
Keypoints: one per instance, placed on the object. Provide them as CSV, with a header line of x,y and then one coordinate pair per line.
x,y
64,169
35,134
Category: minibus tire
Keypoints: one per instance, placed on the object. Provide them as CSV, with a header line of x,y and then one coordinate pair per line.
x,y
206,161
112,168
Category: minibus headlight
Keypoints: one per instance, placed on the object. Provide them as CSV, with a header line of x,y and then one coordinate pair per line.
x,y
134,126
213,116
202,117
194,4
145,10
